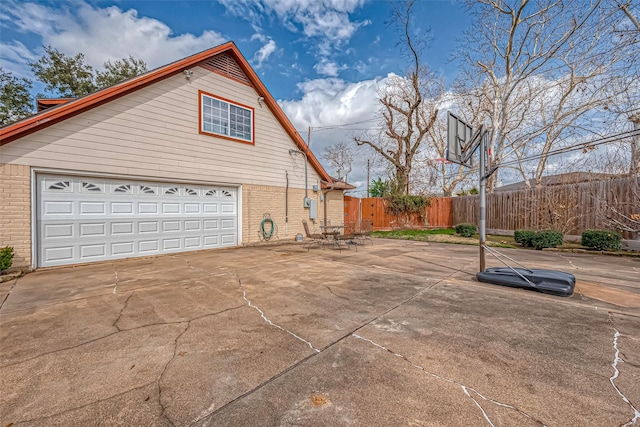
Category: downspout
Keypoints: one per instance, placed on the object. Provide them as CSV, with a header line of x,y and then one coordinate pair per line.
x,y
326,193
286,205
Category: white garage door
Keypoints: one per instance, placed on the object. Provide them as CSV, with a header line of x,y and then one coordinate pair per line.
x,y
92,219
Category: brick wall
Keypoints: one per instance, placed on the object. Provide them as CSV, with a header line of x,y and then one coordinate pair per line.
x,y
260,199
15,212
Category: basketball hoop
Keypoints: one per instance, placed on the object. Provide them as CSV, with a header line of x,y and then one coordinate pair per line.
x,y
440,160
459,141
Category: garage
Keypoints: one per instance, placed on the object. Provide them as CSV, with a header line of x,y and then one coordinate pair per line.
x,y
87,219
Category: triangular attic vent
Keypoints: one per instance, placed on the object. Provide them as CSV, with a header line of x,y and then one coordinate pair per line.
x,y
225,64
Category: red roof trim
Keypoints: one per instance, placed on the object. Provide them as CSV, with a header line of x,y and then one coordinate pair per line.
x,y
64,111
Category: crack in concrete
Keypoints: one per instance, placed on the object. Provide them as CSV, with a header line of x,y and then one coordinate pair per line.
x,y
312,355
120,331
164,369
117,279
83,406
249,304
616,359
464,388
210,273
6,297
175,353
333,293
568,260
264,317
124,307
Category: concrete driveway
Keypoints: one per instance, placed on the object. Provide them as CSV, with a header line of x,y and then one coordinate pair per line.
x,y
397,333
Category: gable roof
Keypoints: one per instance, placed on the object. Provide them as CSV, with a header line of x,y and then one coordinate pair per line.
x,y
56,114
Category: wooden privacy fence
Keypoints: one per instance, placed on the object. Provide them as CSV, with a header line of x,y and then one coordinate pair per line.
x,y
438,214
569,208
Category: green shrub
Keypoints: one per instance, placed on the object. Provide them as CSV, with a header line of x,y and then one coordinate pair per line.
x,y
524,237
601,240
547,239
6,257
466,230
403,204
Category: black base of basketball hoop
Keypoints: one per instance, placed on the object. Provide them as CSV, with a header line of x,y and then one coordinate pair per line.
x,y
547,281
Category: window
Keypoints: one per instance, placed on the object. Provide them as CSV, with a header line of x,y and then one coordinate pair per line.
x,y
222,117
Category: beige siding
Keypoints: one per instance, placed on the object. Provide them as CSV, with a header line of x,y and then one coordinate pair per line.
x,y
259,199
15,212
153,132
335,207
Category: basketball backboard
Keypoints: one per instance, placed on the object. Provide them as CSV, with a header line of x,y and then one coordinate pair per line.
x,y
459,139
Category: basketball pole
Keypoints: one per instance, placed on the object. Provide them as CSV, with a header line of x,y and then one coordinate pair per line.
x,y
483,202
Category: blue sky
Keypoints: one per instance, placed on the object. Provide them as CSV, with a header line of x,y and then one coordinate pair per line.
x,y
323,60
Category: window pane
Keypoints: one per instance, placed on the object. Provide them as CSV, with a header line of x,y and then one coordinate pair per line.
x,y
240,119
226,119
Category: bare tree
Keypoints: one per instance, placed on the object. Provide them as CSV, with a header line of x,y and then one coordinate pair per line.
x,y
340,157
542,65
408,106
627,103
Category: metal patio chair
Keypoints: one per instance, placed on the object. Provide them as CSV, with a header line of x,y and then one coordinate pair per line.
x,y
313,238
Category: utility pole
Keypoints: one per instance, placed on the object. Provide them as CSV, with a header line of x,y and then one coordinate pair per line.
x,y
634,168
482,232
368,179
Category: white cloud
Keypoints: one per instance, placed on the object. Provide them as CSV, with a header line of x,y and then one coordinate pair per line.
x,y
326,104
328,68
14,55
101,34
264,53
326,20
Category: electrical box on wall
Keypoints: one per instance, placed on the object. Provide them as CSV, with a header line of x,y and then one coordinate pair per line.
x,y
312,209
316,188
306,202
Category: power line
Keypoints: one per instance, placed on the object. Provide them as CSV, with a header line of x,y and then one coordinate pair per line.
x,y
575,147
329,127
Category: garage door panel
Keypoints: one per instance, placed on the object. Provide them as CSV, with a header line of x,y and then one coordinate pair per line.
x,y
228,239
227,224
122,248
122,208
228,208
148,227
83,219
148,208
192,242
122,228
58,208
90,208
91,251
211,241
192,208
60,253
58,230
211,224
192,225
148,246
168,244
170,226
92,229
170,208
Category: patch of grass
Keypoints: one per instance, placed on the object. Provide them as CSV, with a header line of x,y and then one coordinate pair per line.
x,y
413,234
445,235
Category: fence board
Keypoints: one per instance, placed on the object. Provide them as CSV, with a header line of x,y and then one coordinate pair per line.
x,y
570,208
438,214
